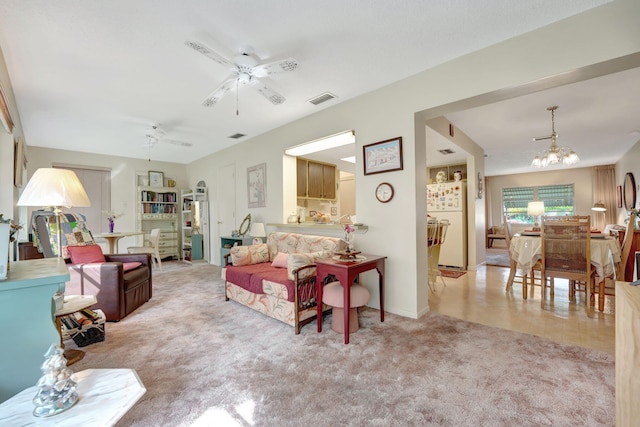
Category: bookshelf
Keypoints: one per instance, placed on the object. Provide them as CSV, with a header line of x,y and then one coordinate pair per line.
x,y
194,224
157,207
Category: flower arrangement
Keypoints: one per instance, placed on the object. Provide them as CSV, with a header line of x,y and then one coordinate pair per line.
x,y
13,227
348,230
111,217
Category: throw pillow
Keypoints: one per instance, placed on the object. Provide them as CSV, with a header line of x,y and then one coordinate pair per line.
x,y
126,266
248,255
281,260
86,254
295,261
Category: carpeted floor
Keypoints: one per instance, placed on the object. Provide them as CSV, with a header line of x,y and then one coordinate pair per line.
x,y
498,257
206,361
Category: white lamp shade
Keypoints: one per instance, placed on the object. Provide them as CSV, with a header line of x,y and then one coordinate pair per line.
x,y
599,207
54,187
535,208
257,230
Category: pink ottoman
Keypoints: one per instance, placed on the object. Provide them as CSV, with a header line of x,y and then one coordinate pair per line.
x,y
332,295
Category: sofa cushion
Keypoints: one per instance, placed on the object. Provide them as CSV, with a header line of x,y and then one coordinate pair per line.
x,y
281,260
248,255
295,261
275,282
241,275
308,244
282,242
126,266
86,254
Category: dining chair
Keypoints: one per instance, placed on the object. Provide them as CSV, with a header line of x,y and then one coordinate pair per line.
x,y
513,274
153,247
607,287
436,234
566,253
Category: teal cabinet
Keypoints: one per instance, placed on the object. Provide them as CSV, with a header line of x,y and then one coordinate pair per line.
x,y
28,321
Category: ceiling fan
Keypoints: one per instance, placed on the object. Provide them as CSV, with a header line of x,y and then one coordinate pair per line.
x,y
155,135
244,70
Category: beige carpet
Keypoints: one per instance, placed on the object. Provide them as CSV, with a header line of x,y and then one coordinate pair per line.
x,y
207,362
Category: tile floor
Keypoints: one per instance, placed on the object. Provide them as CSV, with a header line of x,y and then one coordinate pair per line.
x,y
480,296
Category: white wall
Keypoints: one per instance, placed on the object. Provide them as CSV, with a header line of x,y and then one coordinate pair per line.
x,y
123,184
630,162
399,110
579,177
397,229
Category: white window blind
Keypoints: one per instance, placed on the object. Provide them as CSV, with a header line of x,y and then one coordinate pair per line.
x,y
558,201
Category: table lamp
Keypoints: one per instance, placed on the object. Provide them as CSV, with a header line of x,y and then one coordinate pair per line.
x,y
536,209
258,232
55,188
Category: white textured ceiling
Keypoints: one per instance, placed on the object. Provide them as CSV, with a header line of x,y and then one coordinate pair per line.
x,y
93,75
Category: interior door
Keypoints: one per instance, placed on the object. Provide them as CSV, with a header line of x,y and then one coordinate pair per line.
x,y
226,200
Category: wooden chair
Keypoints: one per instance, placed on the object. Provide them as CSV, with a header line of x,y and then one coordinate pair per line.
x,y
513,276
152,249
566,253
436,234
608,285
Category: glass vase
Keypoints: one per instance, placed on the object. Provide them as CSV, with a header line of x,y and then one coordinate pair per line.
x,y
112,225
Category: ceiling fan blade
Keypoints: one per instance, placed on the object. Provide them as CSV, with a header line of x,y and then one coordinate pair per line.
x,y
219,92
208,52
282,66
150,143
274,97
176,142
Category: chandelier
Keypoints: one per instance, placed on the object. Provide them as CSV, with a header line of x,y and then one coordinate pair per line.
x,y
554,154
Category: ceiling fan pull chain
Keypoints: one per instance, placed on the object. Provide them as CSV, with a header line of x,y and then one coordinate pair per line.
x,y
237,97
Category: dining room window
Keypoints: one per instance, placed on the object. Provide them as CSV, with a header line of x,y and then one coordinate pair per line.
x,y
558,201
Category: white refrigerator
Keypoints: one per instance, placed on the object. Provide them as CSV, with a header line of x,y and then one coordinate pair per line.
x,y
448,200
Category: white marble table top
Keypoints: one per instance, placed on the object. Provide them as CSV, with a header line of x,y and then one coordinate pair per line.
x,y
105,395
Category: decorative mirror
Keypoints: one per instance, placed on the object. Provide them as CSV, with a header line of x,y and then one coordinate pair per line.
x,y
629,191
245,225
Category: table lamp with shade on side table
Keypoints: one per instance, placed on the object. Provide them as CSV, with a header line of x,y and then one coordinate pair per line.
x,y
536,209
55,188
258,233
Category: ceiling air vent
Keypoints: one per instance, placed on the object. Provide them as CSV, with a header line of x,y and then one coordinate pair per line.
x,y
446,151
237,135
327,96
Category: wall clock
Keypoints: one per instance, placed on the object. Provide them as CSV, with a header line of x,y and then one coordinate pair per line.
x,y
384,192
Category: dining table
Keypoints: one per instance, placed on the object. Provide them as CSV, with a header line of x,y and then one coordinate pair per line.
x,y
112,238
526,251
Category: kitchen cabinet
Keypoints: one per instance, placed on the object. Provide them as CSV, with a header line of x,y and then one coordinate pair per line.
x,y
301,168
316,180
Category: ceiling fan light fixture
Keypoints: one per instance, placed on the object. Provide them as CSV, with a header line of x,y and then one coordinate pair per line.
x,y
554,154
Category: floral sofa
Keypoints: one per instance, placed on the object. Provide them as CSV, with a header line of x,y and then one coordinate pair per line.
x,y
278,278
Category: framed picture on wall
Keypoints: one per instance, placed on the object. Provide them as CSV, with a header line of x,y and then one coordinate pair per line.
x,y
19,162
383,156
257,186
156,179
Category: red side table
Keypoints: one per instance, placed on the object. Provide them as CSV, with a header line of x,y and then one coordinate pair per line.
x,y
346,272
